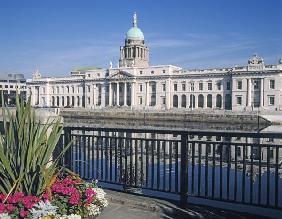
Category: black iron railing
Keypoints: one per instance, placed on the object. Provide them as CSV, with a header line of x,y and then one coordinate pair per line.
x,y
234,167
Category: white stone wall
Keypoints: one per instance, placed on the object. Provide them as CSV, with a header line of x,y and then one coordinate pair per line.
x,y
166,83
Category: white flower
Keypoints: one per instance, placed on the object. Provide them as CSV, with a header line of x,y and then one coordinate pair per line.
x,y
93,210
42,209
100,196
72,216
5,216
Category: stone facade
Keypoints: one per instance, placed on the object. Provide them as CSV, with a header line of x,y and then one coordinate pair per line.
x,y
10,85
136,84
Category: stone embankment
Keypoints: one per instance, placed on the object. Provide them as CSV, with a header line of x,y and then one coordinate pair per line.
x,y
164,119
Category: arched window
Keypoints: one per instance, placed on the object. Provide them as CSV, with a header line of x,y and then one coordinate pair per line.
x,y
228,102
53,101
175,101
63,101
78,101
218,101
209,101
183,101
192,101
68,89
68,101
58,101
72,100
201,101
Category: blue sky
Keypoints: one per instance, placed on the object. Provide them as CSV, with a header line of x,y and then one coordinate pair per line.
x,y
57,36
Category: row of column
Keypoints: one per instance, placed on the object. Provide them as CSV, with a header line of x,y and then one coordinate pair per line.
x,y
249,92
128,52
117,92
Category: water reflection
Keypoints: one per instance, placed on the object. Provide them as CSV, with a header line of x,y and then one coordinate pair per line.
x,y
233,168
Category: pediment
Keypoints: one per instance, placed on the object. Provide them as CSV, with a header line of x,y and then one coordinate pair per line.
x,y
121,75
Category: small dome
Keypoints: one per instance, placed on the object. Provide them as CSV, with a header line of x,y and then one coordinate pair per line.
x,y
134,33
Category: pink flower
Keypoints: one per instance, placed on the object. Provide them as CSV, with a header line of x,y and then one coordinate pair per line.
x,y
10,208
2,208
74,199
90,192
23,213
29,201
45,196
2,197
15,198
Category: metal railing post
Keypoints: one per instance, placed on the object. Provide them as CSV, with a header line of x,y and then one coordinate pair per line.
x,y
184,170
67,140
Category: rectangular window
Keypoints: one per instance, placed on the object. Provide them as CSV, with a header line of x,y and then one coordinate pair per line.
x,y
140,87
141,72
6,86
239,152
228,85
88,87
271,154
256,84
152,72
239,85
153,86
183,87
175,87
163,71
209,86
192,86
11,86
88,100
163,100
164,88
239,100
272,84
218,86
0,86
201,86
140,100
271,100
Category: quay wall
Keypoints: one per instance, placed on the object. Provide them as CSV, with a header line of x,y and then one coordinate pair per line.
x,y
185,120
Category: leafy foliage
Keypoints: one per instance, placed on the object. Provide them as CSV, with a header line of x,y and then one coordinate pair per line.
x,y
26,149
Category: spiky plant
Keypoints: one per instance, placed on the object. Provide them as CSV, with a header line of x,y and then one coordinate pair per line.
x,y
26,149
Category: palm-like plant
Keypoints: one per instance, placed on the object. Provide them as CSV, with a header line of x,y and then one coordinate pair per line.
x,y
26,149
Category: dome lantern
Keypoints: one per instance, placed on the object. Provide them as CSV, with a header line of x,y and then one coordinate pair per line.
x,y
134,33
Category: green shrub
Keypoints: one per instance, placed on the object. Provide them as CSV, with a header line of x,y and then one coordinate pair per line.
x,y
26,149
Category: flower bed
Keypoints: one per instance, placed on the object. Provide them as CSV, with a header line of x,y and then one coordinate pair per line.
x,y
68,197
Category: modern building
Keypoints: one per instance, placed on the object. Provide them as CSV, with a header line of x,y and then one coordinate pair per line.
x,y
10,86
137,84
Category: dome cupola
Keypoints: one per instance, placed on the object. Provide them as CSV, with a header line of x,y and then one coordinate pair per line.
x,y
134,33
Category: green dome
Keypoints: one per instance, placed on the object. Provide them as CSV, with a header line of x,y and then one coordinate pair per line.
x,y
134,33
